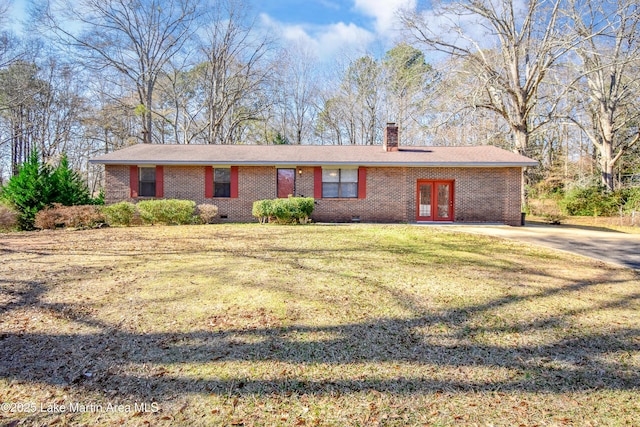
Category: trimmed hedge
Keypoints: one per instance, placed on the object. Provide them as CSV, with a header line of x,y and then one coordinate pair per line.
x,y
121,213
262,210
167,211
163,211
284,211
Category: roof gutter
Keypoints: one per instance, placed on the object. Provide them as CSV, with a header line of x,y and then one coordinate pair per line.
x,y
315,163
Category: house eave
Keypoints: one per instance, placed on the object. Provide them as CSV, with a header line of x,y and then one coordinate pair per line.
x,y
316,163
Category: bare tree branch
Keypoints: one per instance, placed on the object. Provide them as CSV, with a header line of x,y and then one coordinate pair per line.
x,y
138,38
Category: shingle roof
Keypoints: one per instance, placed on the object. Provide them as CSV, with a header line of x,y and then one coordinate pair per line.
x,y
313,155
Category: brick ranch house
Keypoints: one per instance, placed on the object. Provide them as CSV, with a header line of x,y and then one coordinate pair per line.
x,y
384,183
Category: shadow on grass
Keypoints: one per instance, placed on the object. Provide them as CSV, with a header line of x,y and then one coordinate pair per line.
x,y
123,363
93,361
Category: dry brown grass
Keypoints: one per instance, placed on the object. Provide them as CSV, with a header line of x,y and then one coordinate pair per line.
x,y
310,325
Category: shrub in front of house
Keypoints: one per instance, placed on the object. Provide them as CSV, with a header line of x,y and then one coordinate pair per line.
x,y
207,213
284,211
303,208
80,216
8,218
121,213
167,211
262,210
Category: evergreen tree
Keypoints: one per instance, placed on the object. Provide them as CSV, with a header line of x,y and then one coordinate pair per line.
x,y
69,188
29,191
280,140
37,186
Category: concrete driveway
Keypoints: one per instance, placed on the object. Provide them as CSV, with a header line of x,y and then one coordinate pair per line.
x,y
610,246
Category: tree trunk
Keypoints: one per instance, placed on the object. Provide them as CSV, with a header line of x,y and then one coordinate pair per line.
x,y
148,118
606,164
521,139
521,144
606,148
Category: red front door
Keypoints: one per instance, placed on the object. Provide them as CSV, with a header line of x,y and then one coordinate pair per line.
x,y
286,182
434,201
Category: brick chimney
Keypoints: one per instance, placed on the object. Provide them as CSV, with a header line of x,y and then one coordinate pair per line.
x,y
390,142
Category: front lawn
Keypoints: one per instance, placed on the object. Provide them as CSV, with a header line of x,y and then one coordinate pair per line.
x,y
357,325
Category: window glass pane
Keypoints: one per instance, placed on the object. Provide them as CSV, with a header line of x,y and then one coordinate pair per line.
x,y
286,182
349,189
222,182
222,189
147,174
443,200
147,182
349,175
425,200
147,189
221,175
330,189
330,175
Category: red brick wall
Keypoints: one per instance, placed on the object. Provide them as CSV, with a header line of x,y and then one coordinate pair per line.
x,y
481,194
116,184
385,201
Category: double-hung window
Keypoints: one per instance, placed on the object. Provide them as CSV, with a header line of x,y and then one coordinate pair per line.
x,y
222,182
339,183
147,181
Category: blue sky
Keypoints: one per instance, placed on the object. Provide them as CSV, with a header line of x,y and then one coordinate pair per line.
x,y
313,12
324,27
329,27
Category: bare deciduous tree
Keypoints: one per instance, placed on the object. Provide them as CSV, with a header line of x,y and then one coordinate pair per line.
x,y
136,37
330,120
10,50
507,47
233,74
296,89
608,82
41,109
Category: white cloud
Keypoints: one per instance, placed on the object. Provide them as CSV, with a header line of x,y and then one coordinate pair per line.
x,y
326,41
339,37
329,4
384,12
344,37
